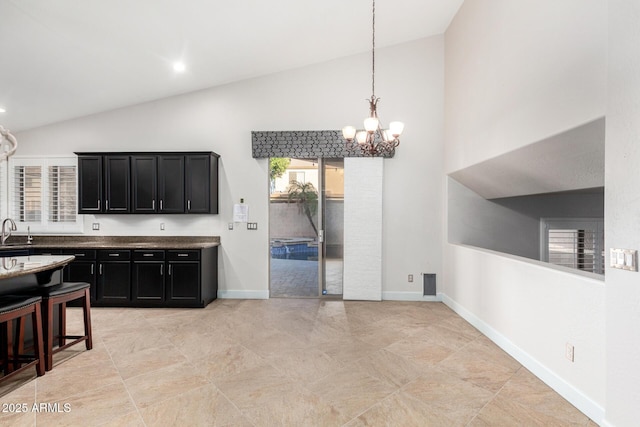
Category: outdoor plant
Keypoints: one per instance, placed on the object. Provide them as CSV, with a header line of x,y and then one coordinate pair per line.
x,y
305,196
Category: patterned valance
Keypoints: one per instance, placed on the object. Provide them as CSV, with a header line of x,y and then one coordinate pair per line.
x,y
300,144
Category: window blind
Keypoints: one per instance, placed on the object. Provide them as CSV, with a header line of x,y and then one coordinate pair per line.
x,y
27,193
62,193
576,244
43,194
575,249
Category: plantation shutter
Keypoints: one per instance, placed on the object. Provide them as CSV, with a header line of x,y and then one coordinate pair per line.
x,y
576,244
27,192
62,193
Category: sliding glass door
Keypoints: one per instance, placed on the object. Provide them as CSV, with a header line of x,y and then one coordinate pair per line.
x,y
306,227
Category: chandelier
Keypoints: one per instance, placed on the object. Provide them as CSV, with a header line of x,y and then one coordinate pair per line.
x,y
8,143
373,140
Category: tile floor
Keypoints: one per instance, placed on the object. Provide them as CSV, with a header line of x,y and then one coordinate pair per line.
x,y
289,362
295,278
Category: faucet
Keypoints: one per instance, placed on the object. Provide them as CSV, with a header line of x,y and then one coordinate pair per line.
x,y
6,232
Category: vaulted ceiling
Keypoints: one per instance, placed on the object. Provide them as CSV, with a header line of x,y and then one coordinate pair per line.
x,y
69,58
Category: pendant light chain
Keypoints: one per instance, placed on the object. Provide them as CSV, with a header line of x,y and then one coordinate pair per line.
x,y
373,52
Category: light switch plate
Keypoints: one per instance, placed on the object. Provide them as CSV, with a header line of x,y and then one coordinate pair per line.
x,y
252,226
623,259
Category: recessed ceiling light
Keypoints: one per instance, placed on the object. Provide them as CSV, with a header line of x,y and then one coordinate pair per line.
x,y
179,67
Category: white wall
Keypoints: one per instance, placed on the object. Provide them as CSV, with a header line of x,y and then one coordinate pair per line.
x,y
517,73
409,81
532,311
622,210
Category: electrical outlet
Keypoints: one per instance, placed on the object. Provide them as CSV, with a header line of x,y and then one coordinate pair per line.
x,y
252,226
230,226
410,278
569,352
95,226
162,226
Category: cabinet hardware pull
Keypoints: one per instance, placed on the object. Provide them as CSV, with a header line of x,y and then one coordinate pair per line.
x,y
161,204
114,254
161,269
153,205
92,269
98,204
101,269
147,254
78,254
106,202
188,205
183,254
169,269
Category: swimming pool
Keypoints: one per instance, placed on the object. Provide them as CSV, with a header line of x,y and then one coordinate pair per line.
x,y
295,251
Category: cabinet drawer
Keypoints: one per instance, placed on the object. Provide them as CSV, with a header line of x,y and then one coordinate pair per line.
x,y
114,255
140,255
188,255
87,254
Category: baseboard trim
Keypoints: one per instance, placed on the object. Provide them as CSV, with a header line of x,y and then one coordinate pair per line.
x,y
243,294
566,390
410,296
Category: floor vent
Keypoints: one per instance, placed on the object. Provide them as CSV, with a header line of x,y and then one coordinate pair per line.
x,y
429,284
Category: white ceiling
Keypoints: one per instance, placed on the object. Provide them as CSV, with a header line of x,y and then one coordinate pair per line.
x,y
69,58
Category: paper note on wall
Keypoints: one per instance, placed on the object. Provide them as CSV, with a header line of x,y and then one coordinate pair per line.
x,y
240,213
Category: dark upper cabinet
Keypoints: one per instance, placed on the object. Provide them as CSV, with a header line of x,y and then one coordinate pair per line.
x,y
171,183
117,184
144,172
201,183
90,184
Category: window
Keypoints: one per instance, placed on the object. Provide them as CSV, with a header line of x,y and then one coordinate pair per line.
x,y
574,243
296,177
42,194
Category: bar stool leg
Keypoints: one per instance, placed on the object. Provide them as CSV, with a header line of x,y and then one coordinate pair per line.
x,y
48,333
36,318
62,318
7,353
86,311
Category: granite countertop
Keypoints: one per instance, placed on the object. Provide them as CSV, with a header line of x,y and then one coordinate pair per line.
x,y
23,265
114,242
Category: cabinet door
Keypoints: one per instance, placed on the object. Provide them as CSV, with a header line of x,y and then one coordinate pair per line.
x,y
82,271
144,175
90,184
114,282
171,184
116,184
184,282
198,183
148,281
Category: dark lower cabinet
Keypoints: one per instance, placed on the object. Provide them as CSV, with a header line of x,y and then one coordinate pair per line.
x,y
82,271
184,281
148,277
144,278
114,277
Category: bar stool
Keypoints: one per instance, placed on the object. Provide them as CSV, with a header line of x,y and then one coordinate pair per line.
x,y
61,294
15,307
